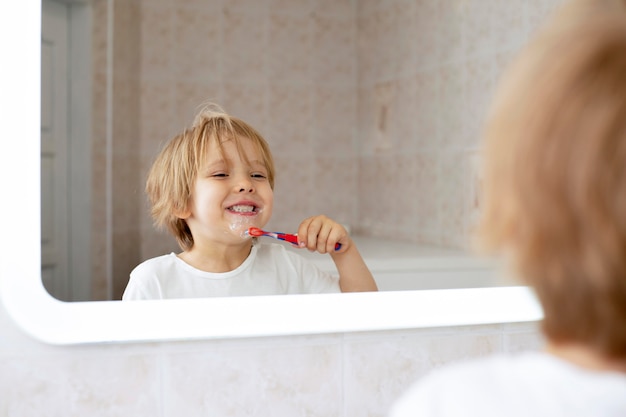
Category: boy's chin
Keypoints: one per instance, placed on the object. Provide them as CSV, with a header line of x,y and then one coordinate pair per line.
x,y
240,224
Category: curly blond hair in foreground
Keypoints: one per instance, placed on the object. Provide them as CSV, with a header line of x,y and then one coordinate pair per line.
x,y
555,177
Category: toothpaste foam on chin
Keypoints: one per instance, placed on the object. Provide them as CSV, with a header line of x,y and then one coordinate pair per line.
x,y
241,225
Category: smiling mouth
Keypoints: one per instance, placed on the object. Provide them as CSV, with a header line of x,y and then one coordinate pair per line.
x,y
243,208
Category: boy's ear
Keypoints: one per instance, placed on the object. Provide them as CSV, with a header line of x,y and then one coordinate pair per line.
x,y
182,213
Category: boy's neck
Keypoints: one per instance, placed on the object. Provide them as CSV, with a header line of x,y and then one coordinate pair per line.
x,y
585,357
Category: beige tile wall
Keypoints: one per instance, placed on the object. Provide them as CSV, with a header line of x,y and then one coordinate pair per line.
x,y
426,73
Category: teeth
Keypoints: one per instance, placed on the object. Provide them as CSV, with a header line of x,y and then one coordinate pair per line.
x,y
242,209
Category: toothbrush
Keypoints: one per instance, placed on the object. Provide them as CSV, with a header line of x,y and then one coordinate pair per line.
x,y
293,239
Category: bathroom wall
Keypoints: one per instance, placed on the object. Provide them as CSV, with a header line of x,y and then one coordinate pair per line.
x,y
427,70
117,195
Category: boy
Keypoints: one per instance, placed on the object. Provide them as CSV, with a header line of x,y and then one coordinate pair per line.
x,y
207,187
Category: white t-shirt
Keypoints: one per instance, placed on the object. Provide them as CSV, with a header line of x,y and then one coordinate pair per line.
x,y
534,384
270,269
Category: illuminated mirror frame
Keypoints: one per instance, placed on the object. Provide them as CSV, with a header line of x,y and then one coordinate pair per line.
x,y
32,309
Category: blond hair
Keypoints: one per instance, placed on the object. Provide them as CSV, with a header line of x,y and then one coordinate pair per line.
x,y
555,176
175,169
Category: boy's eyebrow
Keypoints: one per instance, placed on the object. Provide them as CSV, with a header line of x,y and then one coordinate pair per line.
x,y
226,162
215,162
258,162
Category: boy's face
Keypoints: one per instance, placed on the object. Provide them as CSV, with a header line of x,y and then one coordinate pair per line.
x,y
230,195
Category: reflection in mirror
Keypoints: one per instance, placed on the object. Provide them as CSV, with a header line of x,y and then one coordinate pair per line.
x,y
35,313
380,138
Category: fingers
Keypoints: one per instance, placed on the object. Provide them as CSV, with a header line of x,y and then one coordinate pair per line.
x,y
321,234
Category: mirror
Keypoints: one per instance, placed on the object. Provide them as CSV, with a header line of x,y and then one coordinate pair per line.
x,y
45,318
396,97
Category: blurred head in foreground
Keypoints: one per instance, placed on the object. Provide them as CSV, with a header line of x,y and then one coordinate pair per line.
x,y
555,175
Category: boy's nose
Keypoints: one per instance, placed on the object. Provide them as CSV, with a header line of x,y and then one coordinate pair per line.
x,y
244,185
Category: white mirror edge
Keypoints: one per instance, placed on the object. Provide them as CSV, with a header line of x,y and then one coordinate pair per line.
x,y
55,322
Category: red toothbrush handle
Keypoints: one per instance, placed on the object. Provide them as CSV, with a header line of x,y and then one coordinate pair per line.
x,y
294,239
288,237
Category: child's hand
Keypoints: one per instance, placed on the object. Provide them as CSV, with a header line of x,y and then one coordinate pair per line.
x,y
321,234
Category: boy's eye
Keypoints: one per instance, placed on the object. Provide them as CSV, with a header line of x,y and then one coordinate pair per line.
x,y
220,174
258,175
